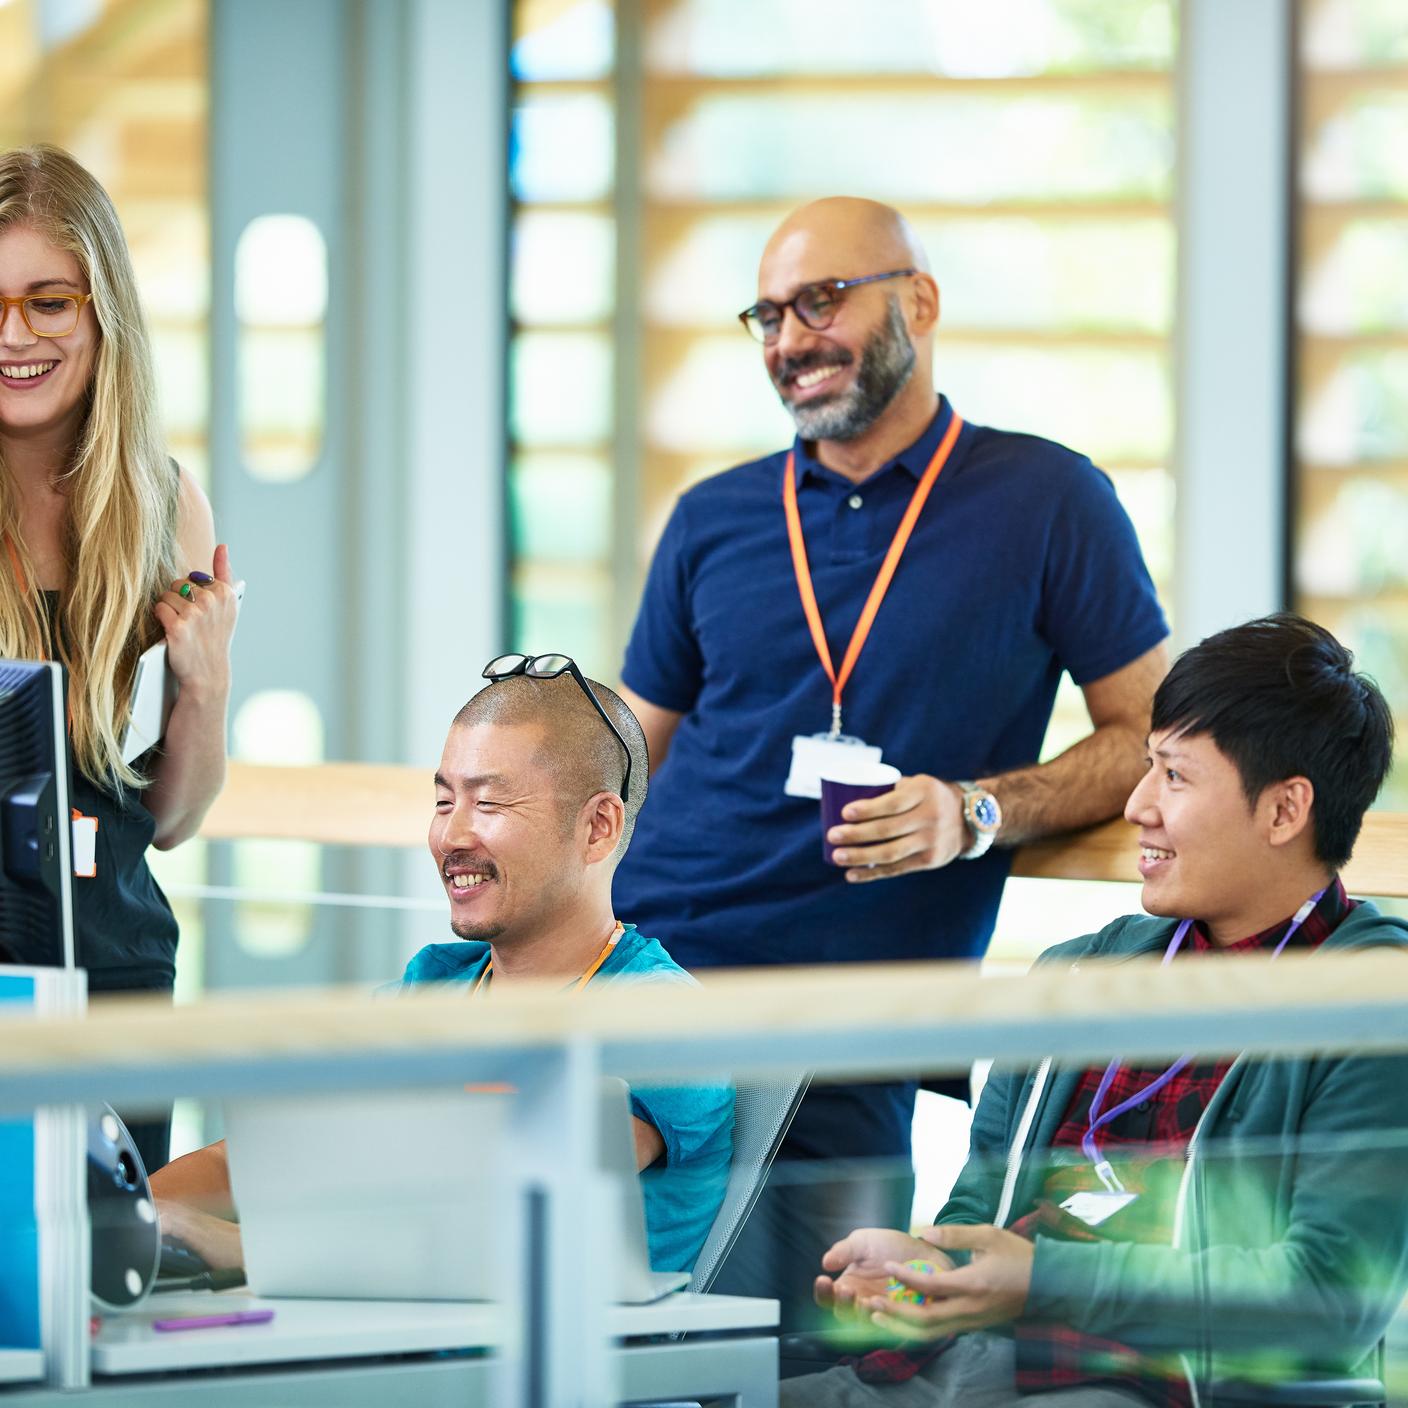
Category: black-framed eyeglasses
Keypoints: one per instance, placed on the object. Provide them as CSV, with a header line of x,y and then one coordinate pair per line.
x,y
816,305
549,667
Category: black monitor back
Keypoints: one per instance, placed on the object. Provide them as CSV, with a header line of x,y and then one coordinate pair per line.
x,y
36,863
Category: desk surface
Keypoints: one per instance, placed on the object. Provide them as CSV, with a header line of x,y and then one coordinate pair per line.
x,y
18,1366
344,1329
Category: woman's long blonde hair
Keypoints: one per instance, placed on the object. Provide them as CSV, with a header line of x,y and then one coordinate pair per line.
x,y
122,491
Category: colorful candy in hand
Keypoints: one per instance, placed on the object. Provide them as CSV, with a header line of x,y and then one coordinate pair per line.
x,y
907,1295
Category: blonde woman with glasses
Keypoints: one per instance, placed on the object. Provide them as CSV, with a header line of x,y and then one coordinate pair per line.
x,y
108,548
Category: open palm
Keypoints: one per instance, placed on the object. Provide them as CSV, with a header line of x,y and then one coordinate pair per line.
x,y
857,1265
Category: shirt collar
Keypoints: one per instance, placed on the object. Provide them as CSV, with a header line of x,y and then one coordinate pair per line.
x,y
913,461
1319,924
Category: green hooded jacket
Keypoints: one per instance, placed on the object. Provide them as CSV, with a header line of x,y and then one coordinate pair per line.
x,y
1290,1248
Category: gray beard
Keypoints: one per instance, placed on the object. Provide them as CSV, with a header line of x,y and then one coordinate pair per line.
x,y
886,362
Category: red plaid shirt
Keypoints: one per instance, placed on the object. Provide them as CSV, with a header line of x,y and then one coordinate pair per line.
x,y
1145,1145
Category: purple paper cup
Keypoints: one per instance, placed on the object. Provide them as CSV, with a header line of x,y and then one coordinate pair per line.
x,y
862,780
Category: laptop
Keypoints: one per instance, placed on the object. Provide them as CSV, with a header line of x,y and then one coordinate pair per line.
x,y
389,1196
636,1283
385,1196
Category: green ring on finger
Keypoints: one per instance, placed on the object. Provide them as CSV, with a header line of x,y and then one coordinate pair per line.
x,y
186,590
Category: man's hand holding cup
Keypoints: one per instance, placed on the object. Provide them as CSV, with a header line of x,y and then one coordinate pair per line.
x,y
877,831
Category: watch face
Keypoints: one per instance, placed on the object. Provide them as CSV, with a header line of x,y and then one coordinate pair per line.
x,y
985,813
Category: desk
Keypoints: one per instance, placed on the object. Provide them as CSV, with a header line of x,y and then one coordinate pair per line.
x,y
344,1354
300,1330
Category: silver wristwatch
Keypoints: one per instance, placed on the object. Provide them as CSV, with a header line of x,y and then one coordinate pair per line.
x,y
982,815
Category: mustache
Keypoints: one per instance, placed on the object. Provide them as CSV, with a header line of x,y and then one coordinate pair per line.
x,y
793,367
463,861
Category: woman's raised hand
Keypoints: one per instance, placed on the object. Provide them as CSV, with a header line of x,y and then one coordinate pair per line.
x,y
198,615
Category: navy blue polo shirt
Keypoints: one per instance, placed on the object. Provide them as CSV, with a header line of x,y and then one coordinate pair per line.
x,y
1023,564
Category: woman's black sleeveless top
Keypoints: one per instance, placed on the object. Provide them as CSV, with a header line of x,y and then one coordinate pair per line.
x,y
124,930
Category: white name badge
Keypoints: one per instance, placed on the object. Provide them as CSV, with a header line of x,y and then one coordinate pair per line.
x,y
812,756
85,847
1095,1208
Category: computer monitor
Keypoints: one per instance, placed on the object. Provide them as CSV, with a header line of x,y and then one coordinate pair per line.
x,y
36,859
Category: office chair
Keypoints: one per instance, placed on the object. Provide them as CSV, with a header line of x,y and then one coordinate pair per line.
x,y
762,1113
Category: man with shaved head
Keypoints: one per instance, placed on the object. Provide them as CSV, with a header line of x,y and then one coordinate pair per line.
x,y
897,586
536,795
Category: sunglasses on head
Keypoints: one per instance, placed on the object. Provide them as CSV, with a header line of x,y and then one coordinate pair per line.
x,y
549,667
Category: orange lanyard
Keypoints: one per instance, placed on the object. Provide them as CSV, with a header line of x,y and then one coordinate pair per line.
x,y
882,579
483,980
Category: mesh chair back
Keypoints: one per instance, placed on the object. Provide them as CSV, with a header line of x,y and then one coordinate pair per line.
x,y
762,1112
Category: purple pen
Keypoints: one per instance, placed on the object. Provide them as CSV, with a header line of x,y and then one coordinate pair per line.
x,y
210,1322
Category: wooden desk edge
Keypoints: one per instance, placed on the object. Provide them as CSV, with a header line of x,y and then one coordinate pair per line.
x,y
371,804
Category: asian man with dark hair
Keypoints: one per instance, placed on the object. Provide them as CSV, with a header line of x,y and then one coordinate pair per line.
x,y
1130,1233
1279,696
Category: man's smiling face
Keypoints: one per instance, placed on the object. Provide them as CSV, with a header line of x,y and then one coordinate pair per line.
x,y
1202,844
502,834
837,381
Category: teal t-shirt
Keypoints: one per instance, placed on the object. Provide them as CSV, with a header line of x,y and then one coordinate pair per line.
x,y
683,1191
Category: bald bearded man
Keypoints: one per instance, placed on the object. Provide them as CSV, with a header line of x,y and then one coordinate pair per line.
x,y
1021,565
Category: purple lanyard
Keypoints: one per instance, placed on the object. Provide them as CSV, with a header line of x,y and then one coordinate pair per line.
x,y
1088,1145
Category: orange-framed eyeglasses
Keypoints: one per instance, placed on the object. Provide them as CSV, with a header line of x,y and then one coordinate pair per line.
x,y
47,314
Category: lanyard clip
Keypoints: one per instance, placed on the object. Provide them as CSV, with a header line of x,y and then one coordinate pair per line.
x,y
835,720
1108,1177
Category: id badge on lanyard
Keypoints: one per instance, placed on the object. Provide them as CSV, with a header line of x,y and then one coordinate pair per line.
x,y
1097,1207
1094,1207
820,754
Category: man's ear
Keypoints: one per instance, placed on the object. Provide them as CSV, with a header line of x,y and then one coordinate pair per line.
x,y
605,816
923,305
1287,806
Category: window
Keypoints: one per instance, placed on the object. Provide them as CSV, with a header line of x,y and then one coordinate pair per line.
x,y
282,727
281,299
1032,145
1351,431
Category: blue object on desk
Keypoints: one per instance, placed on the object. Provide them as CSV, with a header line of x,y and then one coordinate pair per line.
x,y
19,1234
